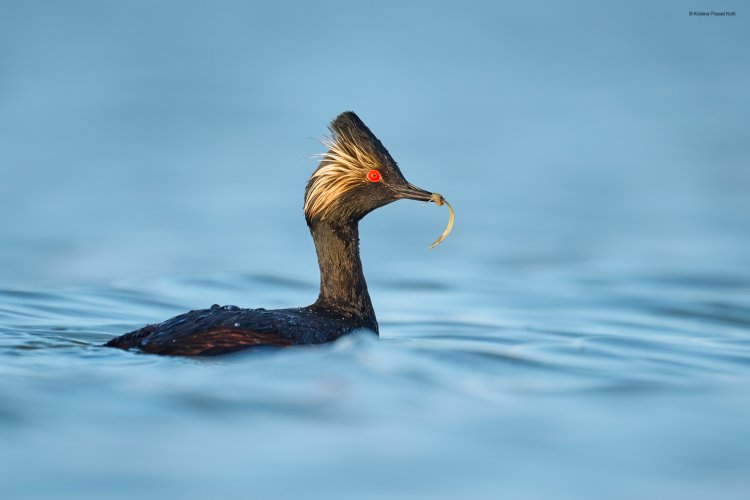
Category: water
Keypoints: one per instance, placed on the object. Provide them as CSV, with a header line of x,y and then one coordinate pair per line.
x,y
583,333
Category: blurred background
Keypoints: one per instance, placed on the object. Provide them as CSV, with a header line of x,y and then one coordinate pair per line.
x,y
146,139
583,333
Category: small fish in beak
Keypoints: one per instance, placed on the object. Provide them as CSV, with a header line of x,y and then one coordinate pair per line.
x,y
439,201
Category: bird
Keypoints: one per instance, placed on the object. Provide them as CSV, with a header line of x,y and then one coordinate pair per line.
x,y
355,176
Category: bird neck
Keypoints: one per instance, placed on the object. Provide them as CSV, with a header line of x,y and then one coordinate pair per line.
x,y
342,282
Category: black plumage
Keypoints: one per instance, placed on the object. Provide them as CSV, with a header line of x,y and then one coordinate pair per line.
x,y
355,176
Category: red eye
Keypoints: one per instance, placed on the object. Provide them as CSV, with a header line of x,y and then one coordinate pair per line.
x,y
373,176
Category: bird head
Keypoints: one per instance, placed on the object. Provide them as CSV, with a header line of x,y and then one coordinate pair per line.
x,y
355,176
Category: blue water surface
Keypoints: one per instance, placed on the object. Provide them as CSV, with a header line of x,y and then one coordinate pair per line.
x,y
583,333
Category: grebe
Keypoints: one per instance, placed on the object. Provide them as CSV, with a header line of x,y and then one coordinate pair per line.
x,y
355,176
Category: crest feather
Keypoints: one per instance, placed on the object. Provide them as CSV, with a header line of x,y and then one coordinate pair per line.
x,y
342,167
